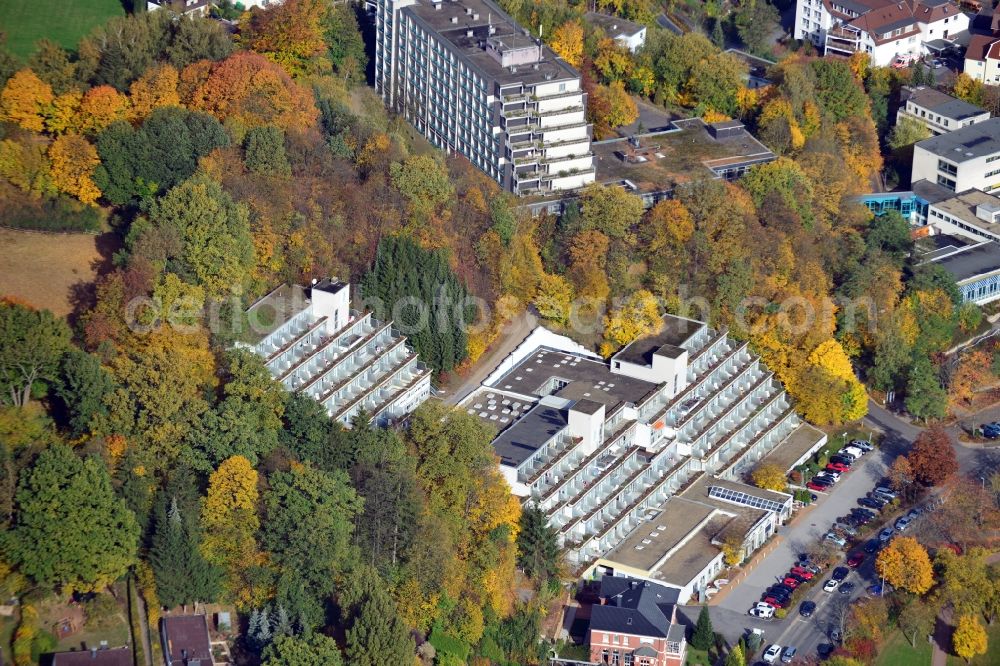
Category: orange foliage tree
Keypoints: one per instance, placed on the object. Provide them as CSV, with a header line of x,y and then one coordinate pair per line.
x,y
101,106
25,99
156,87
289,33
73,161
250,90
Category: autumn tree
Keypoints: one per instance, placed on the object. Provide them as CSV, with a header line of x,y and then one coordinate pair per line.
x,y
901,475
554,298
916,618
567,42
73,161
755,23
617,106
313,649
966,580
828,391
637,316
25,100
31,344
770,477
904,563
230,522
969,639
80,390
610,209
933,457
216,249
289,33
101,106
70,530
265,151
424,181
907,132
972,374
155,88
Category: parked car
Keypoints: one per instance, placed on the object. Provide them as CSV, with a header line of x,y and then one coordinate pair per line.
x,y
859,519
855,559
771,654
830,585
808,566
781,589
887,493
763,611
852,451
886,534
777,602
791,582
846,588
806,608
830,473
878,589
872,546
862,444
837,467
824,479
991,430
820,487
788,655
840,573
842,460
863,513
847,529
870,503
839,540
903,523
881,501
802,572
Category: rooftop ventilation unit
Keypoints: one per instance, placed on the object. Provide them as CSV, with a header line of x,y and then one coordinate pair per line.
x,y
468,11
468,33
475,17
988,213
454,19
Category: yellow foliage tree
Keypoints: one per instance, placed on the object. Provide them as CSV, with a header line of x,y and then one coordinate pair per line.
x,y
25,100
554,297
969,638
156,87
567,42
770,477
638,316
25,163
229,516
73,162
905,564
64,114
619,105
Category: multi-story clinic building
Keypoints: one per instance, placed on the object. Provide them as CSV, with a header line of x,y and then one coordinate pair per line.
x,y
472,81
966,159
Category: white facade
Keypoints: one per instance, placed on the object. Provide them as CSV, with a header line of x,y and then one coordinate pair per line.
x,y
347,361
883,29
471,81
965,159
982,59
938,112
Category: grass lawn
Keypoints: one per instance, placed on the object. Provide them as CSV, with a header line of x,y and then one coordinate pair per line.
x,y
992,656
699,657
62,21
897,652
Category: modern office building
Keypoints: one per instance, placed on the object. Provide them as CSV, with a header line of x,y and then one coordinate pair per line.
x,y
473,82
937,111
884,29
658,436
975,265
966,159
313,342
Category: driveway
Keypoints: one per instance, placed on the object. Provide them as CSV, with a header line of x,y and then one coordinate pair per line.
x,y
805,531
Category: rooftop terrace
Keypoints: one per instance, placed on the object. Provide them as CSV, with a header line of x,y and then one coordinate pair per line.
x,y
669,340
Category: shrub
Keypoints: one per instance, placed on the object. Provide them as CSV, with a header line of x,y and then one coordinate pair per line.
x,y
781,613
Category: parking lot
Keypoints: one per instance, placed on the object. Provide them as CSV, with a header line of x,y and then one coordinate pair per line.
x,y
807,634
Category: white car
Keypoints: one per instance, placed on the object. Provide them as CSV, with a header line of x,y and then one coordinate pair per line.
x,y
839,540
852,451
831,585
771,654
764,612
903,523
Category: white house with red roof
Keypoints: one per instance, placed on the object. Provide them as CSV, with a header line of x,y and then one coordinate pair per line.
x,y
982,58
887,31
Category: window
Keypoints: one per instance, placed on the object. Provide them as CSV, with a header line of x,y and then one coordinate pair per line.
x,y
947,168
629,659
946,182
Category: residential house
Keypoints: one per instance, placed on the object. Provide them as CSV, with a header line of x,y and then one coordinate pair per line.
x,y
635,624
121,656
982,58
629,34
185,640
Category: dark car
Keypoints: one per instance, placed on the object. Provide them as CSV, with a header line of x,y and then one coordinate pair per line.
x,y
991,430
855,560
781,588
822,479
863,513
846,588
806,608
872,546
840,573
879,499
870,503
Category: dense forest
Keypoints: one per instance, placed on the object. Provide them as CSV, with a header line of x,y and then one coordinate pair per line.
x,y
230,164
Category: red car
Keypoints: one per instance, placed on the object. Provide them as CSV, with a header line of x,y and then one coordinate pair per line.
x,y
817,486
777,603
802,573
791,582
855,560
838,467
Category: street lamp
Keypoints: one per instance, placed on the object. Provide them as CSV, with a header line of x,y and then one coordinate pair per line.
x,y
983,480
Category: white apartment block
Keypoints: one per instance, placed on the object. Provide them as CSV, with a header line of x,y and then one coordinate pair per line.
x,y
938,112
884,29
601,447
473,82
312,342
965,159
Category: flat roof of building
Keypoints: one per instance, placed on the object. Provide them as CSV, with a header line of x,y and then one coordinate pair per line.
x,y
666,526
797,444
931,248
613,25
668,341
931,192
973,262
516,444
104,657
268,314
496,409
941,103
967,143
963,207
581,378
693,557
667,159
480,17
